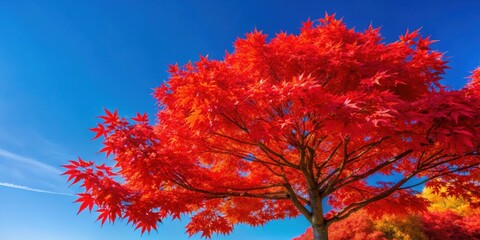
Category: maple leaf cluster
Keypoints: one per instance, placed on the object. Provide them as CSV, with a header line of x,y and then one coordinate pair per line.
x,y
281,124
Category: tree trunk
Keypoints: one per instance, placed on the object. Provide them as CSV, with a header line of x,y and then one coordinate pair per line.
x,y
320,232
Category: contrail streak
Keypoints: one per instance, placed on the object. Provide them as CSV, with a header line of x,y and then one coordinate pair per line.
x,y
30,161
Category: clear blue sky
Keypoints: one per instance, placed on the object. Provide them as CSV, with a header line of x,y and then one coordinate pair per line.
x,y
61,62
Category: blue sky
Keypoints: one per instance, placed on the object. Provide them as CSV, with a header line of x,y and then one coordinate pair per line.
x,y
61,62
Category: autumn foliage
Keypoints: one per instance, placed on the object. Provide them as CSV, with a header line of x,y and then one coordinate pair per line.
x,y
281,124
445,225
447,218
450,217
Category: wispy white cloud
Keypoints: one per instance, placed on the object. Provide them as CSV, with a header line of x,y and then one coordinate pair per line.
x,y
11,185
33,162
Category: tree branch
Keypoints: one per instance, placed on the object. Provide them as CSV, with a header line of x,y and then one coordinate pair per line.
x,y
353,178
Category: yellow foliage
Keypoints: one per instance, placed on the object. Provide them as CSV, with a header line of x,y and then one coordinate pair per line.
x,y
441,204
401,228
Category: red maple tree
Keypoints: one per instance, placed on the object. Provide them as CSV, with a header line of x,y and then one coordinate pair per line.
x,y
282,124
